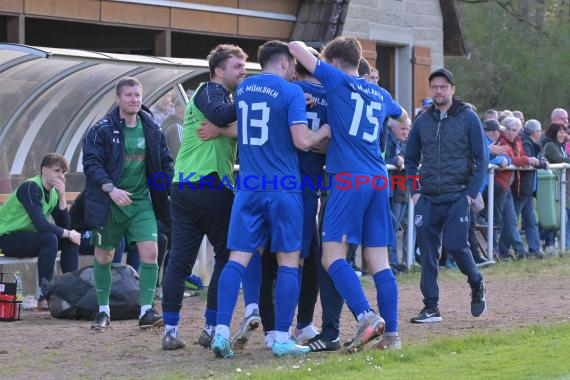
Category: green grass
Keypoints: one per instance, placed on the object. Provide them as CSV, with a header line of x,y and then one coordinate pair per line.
x,y
552,266
531,353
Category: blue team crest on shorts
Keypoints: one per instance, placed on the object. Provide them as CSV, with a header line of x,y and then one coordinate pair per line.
x,y
419,220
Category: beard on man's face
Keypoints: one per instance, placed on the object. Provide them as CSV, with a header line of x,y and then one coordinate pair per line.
x,y
441,100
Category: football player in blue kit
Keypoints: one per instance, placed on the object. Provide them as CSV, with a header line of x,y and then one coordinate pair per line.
x,y
311,166
357,213
272,124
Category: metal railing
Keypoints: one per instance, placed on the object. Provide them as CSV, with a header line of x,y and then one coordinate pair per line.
x,y
410,243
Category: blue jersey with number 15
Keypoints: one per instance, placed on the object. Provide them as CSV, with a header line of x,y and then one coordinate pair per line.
x,y
268,106
356,112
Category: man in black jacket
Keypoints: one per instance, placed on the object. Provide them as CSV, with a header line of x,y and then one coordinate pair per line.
x,y
127,167
448,138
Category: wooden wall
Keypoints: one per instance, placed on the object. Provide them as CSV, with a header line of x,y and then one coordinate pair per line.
x,y
145,16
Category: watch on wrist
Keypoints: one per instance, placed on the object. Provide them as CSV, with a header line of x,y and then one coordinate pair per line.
x,y
108,187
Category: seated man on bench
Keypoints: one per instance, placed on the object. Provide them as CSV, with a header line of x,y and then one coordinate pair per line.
x,y
25,230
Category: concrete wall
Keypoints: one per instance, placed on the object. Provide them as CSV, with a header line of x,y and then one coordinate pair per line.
x,y
400,23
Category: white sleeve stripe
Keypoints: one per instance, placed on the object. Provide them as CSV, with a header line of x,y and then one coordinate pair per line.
x,y
299,122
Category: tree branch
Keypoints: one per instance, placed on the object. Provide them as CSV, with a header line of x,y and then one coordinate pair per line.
x,y
507,6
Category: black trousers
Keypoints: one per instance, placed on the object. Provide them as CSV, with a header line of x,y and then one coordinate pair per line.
x,y
447,222
195,214
44,246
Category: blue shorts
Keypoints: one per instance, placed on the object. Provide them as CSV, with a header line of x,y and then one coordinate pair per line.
x,y
310,203
359,216
258,216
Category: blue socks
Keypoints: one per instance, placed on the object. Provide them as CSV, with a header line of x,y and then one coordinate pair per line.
x,y
348,286
171,318
387,293
286,297
251,281
228,290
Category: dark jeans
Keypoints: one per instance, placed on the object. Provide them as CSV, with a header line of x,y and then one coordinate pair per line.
x,y
524,206
44,246
398,210
447,222
473,243
510,234
498,207
195,214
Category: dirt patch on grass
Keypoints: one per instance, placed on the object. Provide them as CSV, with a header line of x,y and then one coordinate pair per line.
x,y
40,346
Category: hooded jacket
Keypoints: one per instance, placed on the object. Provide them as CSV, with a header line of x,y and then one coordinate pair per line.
x,y
452,151
103,160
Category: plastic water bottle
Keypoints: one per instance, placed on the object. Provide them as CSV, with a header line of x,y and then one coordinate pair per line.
x,y
19,292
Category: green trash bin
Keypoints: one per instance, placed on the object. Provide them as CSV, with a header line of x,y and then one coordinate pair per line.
x,y
547,199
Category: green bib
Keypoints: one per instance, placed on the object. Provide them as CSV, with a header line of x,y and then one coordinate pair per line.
x,y
13,215
133,176
203,157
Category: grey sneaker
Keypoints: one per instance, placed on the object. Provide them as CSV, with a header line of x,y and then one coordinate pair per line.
x,y
389,342
369,327
205,339
249,323
170,343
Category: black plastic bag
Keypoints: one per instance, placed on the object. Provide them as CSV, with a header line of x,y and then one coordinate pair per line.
x,y
73,295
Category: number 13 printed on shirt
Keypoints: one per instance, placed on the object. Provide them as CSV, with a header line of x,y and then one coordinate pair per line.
x,y
254,123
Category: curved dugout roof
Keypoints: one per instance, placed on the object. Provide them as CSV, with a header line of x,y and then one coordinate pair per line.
x,y
49,98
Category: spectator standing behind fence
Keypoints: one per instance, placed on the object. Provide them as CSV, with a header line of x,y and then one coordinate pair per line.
x,y
510,182
490,114
394,155
448,138
25,230
524,200
496,156
560,116
553,150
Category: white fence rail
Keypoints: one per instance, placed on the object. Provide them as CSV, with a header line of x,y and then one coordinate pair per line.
x,y
204,264
410,243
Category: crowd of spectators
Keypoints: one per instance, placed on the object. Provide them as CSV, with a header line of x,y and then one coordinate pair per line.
x,y
511,140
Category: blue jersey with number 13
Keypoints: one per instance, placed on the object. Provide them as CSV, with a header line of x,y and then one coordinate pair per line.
x,y
268,106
